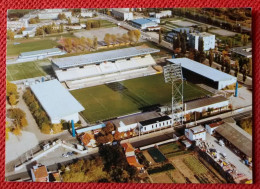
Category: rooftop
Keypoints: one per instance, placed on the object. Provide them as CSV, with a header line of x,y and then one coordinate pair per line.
x,y
45,51
102,56
128,147
155,120
202,34
244,51
29,29
204,102
237,136
197,129
142,21
181,29
202,69
55,99
216,124
40,173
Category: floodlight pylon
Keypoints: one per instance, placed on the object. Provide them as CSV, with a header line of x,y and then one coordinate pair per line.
x,y
173,75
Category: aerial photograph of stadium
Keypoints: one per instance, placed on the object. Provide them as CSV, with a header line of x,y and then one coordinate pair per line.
x,y
129,95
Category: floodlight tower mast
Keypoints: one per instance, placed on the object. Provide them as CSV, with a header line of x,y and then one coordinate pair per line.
x,y
173,75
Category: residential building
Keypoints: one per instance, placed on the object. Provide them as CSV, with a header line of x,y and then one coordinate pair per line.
x,y
155,124
207,38
210,128
57,102
130,155
196,133
200,73
123,13
39,173
88,140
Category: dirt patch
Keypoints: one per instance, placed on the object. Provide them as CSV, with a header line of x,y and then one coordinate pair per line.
x,y
161,178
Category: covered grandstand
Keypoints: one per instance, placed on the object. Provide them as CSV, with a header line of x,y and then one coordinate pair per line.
x,y
200,73
106,65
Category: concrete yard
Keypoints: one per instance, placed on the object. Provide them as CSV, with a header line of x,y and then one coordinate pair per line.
x,y
223,32
182,23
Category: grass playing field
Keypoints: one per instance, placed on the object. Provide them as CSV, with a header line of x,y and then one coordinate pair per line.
x,y
29,45
28,70
117,99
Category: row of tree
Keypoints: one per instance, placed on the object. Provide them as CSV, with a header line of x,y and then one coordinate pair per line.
x,y
11,93
80,44
131,36
93,24
40,115
34,20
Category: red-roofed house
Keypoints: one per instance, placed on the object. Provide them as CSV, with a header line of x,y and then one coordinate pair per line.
x,y
211,127
88,140
39,173
130,155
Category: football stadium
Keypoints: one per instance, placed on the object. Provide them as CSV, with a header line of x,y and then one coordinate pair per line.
x,y
117,99
104,67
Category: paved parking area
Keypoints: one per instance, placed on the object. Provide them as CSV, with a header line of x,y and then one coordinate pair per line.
x,y
231,157
182,23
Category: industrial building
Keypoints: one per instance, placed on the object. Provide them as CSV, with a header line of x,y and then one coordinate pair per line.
x,y
162,14
123,13
57,102
30,31
200,73
196,133
112,63
155,123
40,54
245,51
144,23
207,38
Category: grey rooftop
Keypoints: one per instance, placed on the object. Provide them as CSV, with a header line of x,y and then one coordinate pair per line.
x,y
202,69
55,99
40,52
94,58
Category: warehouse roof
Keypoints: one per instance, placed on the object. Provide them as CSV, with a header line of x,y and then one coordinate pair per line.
x,y
102,56
204,102
39,52
244,51
142,21
55,99
202,69
178,30
155,120
237,136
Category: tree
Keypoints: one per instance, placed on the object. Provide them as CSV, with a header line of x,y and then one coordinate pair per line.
x,y
107,39
125,38
236,68
201,45
113,39
160,36
110,138
137,34
228,65
57,128
10,35
95,42
16,113
178,42
23,122
250,66
244,72
130,35
88,25
27,36
17,131
117,135
108,128
46,128
12,100
183,44
69,21
211,57
7,130
61,28
61,16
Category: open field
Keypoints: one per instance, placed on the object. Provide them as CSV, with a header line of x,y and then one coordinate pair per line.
x,y
116,99
29,45
28,70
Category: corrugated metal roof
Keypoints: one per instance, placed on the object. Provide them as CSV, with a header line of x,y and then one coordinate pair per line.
x,y
202,69
237,136
142,21
55,99
39,52
102,56
204,102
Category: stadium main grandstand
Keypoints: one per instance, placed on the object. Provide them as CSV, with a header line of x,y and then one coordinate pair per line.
x,y
104,67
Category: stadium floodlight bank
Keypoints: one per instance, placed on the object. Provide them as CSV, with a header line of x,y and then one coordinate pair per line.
x,y
193,70
58,103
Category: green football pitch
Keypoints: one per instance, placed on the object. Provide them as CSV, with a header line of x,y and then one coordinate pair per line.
x,y
125,97
28,70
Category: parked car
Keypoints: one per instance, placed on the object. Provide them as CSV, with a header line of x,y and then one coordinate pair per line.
x,y
221,143
69,153
65,155
224,155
